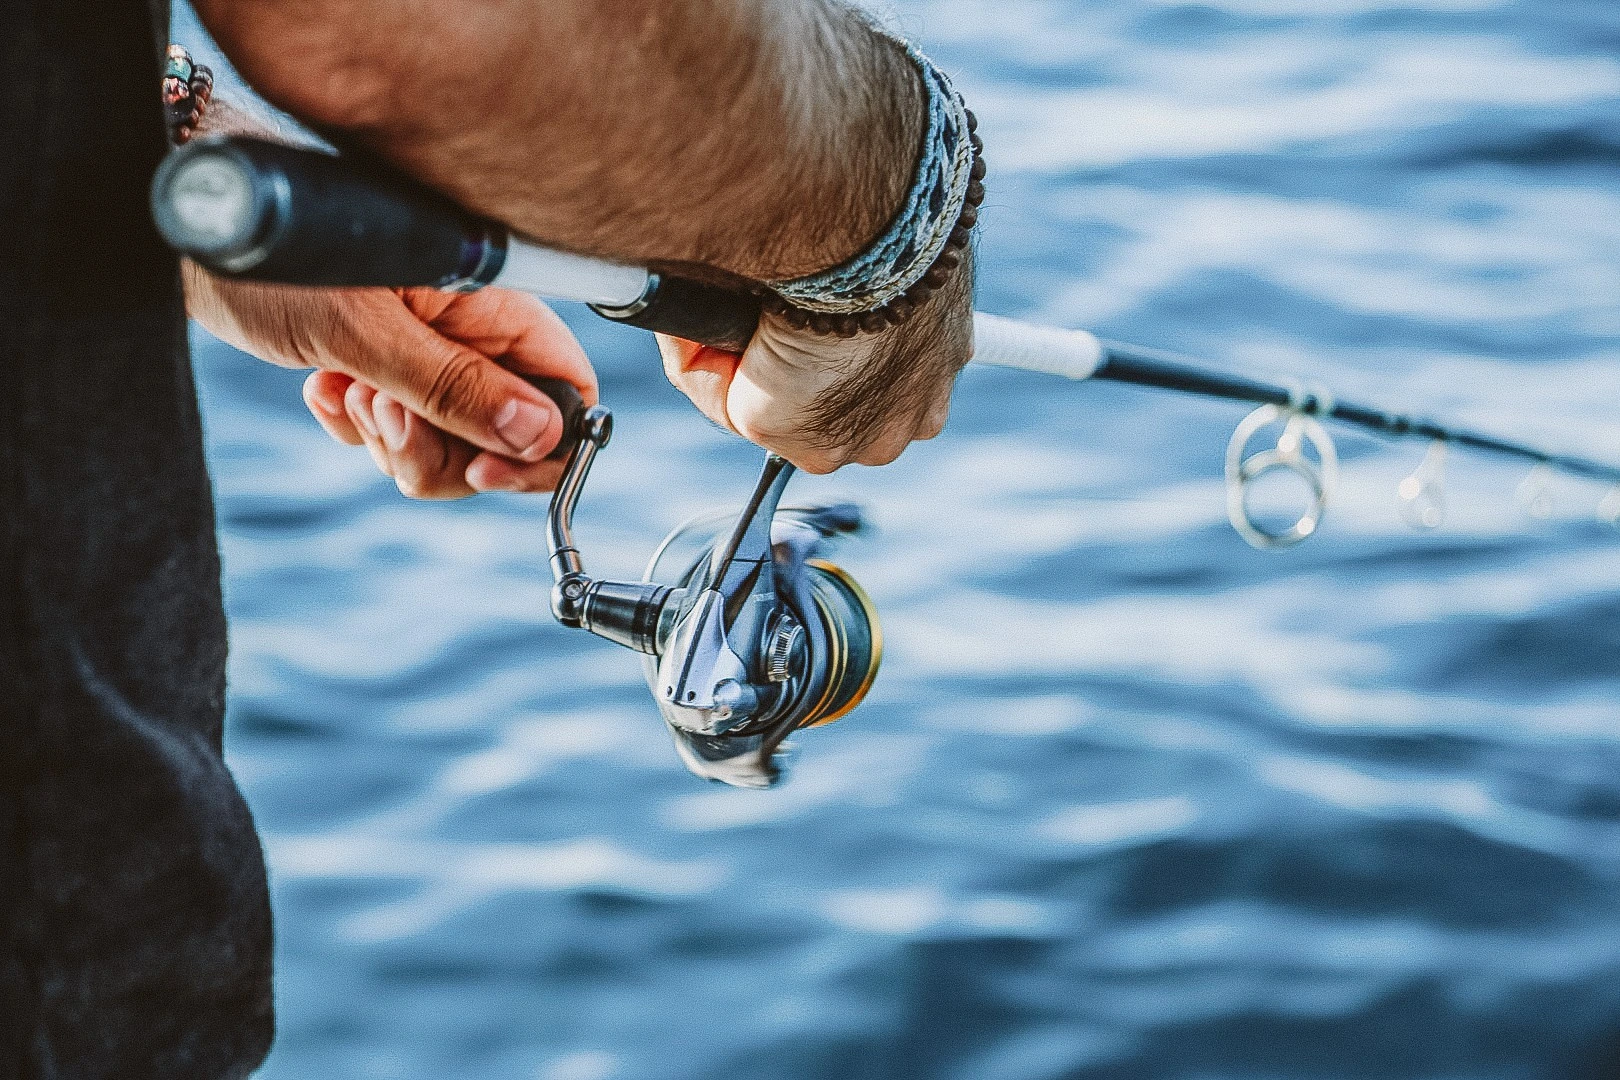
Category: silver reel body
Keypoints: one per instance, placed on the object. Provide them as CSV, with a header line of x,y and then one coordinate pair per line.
x,y
747,634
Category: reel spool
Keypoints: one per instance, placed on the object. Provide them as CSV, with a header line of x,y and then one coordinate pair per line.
x,y
747,633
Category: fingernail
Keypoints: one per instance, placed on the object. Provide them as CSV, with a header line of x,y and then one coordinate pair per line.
x,y
478,478
390,416
331,408
362,416
520,425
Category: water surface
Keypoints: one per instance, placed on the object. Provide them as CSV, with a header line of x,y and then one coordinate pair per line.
x,y
1129,800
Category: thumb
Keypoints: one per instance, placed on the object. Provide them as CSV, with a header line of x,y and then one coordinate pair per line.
x,y
453,387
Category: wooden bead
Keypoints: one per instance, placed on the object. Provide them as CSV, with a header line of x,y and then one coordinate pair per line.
x,y
948,260
973,121
846,326
937,276
797,318
177,63
978,144
873,321
820,324
975,193
959,237
978,170
969,218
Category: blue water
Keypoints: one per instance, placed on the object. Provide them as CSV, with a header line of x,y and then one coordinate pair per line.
x,y
1129,800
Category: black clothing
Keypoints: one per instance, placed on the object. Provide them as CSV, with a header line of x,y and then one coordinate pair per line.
x,y
134,920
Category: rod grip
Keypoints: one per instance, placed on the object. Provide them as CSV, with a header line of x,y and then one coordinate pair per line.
x,y
247,208
683,308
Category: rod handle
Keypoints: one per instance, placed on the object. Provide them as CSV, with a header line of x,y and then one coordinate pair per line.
x,y
248,208
683,308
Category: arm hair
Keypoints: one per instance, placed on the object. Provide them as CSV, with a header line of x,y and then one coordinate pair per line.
x,y
766,138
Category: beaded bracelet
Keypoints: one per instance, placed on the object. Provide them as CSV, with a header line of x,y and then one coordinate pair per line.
x,y
915,256
187,89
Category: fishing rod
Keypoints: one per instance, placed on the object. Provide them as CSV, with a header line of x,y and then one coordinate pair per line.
x,y
747,632
1298,408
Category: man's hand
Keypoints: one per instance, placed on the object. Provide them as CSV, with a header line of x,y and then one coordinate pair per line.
x,y
647,142
424,379
824,402
821,402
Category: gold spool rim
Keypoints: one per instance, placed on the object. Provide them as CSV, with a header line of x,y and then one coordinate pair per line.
x,y
870,609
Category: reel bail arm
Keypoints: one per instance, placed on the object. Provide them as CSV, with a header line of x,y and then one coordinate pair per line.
x,y
710,677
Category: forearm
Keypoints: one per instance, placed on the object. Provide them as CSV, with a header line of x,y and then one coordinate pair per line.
x,y
234,311
765,139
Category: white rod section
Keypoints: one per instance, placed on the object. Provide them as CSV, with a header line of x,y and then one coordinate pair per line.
x,y
558,275
1073,354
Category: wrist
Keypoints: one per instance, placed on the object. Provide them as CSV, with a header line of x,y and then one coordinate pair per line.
x,y
921,246
188,89
192,109
843,166
892,380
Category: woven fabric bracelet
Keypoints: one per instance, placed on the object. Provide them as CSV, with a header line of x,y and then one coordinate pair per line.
x,y
187,89
921,248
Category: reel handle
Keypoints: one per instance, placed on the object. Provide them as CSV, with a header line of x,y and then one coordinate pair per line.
x,y
247,208
570,404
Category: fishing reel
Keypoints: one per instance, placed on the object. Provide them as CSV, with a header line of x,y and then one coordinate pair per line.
x,y
747,634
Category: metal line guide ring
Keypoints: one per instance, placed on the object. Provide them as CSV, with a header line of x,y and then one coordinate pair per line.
x,y
1423,494
1321,476
1609,509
